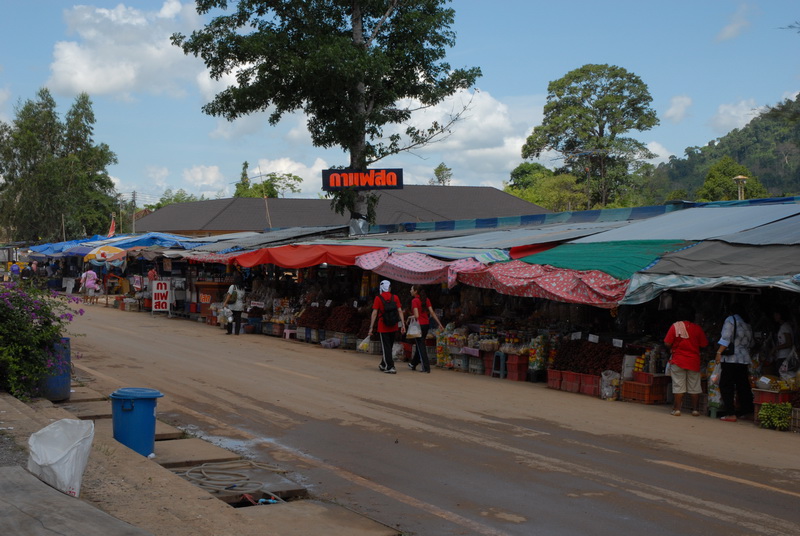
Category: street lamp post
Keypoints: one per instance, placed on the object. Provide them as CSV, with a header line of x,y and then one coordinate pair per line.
x,y
740,181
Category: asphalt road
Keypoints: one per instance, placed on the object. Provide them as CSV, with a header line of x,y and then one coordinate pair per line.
x,y
449,453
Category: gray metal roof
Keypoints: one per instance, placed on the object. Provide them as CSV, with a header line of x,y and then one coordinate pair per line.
x,y
270,238
702,223
785,232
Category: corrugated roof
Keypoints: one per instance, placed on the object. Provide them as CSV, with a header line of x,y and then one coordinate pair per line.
x,y
785,231
702,223
414,203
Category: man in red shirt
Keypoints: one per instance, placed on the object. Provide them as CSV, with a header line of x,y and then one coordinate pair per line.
x,y
386,330
685,339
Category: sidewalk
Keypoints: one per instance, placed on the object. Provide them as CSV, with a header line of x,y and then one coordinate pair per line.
x,y
145,496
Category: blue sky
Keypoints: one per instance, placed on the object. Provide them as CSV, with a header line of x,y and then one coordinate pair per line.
x,y
710,66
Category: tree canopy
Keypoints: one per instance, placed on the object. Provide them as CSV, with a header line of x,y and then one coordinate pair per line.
x,y
55,184
442,176
720,186
588,113
354,67
272,184
170,197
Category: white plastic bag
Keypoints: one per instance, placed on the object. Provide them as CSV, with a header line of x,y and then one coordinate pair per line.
x,y
608,389
364,345
716,374
414,330
59,453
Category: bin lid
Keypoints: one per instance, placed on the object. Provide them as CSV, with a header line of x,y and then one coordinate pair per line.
x,y
136,392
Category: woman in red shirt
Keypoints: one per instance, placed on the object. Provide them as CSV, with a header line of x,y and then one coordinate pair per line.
x,y
685,339
422,310
386,330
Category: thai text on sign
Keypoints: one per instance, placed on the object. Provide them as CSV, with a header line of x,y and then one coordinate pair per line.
x,y
372,179
161,295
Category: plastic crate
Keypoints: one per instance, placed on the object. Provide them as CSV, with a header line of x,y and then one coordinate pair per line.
x,y
794,425
590,385
460,362
476,365
553,379
571,381
488,360
517,372
277,329
651,379
302,333
644,393
515,359
761,396
375,347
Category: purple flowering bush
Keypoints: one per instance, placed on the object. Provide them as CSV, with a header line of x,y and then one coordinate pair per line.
x,y
32,322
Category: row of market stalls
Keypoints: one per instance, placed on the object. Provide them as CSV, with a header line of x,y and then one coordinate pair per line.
x,y
598,273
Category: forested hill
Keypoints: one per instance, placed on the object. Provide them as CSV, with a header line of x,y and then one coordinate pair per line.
x,y
769,146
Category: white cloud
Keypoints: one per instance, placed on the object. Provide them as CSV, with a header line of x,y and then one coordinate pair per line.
x,y
311,175
158,174
738,24
209,177
678,108
662,153
736,115
5,98
123,51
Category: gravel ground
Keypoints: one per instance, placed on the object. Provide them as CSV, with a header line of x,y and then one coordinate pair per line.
x,y
10,452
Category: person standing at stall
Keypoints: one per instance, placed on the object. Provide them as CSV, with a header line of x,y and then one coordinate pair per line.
x,y
784,338
735,342
235,297
685,339
388,311
422,310
89,285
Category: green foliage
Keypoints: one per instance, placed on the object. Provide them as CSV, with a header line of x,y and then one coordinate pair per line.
x,y
555,192
55,182
769,146
170,197
353,67
720,186
588,113
775,416
442,176
526,174
31,322
273,185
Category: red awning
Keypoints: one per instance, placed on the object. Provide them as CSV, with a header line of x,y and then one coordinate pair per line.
x,y
517,278
303,256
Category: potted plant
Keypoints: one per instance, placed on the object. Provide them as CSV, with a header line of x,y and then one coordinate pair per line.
x,y
32,331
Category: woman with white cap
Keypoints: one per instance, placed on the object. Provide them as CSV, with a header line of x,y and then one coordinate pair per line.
x,y
387,309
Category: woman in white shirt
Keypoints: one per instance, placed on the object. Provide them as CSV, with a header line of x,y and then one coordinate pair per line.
x,y
235,297
734,384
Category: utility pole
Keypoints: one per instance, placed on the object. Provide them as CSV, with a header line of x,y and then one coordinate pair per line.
x,y
133,214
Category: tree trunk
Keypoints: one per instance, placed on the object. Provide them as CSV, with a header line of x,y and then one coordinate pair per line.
x,y
358,147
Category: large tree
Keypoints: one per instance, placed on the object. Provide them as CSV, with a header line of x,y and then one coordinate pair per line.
x,y
587,117
170,197
355,67
720,186
442,176
54,182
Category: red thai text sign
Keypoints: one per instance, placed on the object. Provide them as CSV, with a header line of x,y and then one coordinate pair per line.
x,y
372,179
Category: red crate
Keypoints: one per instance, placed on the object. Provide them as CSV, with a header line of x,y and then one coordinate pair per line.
x,y
642,377
570,387
516,359
642,392
574,377
760,396
517,372
553,379
590,385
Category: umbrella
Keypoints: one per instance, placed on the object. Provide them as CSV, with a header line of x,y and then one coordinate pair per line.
x,y
104,253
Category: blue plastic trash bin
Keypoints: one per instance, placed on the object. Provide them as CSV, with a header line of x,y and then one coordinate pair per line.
x,y
133,411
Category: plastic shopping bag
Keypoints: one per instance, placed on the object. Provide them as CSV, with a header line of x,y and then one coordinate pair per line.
x,y
59,453
414,329
715,375
364,345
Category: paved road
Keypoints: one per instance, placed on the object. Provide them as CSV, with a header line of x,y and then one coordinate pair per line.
x,y
450,453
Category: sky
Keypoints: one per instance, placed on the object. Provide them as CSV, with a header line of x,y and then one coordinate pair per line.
x,y
710,66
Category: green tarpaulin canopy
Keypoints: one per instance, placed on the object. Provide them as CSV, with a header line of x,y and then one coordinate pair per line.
x,y
617,259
